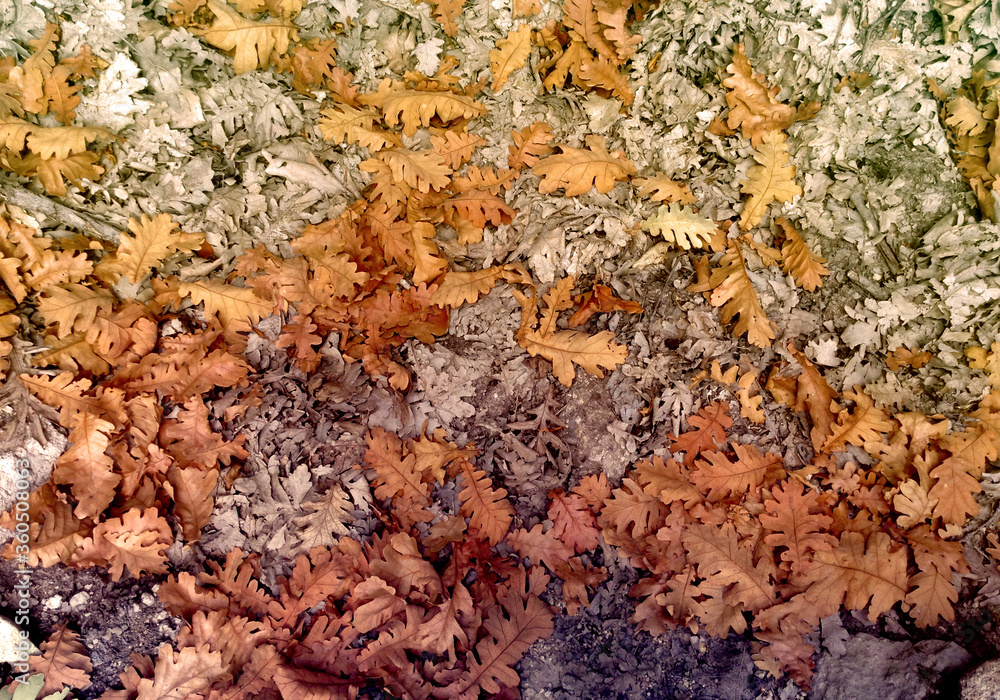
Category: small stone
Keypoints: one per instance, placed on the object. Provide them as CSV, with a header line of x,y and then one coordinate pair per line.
x,y
79,600
54,602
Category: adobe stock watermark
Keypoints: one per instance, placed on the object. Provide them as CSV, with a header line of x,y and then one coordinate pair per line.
x,y
22,612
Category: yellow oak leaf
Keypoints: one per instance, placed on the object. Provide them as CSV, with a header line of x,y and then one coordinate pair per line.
x,y
346,124
427,261
421,170
238,308
566,348
455,148
661,188
253,42
771,179
73,307
151,242
459,288
14,133
416,108
577,170
681,226
30,76
510,54
62,141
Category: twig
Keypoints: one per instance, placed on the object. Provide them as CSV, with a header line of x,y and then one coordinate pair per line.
x,y
28,200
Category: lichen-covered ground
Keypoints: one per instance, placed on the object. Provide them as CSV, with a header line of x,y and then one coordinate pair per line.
x,y
239,157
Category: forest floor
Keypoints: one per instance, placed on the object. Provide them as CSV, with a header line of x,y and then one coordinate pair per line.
x,y
866,102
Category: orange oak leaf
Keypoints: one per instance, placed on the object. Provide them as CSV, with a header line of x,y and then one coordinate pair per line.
x,y
708,432
601,299
855,573
183,673
541,547
530,145
64,661
137,540
864,424
805,267
572,522
666,481
796,526
193,500
510,54
505,642
87,467
487,508
577,170
191,441
717,477
723,560
734,292
752,105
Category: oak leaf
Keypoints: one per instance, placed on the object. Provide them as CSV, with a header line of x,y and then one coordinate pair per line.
x,y
151,242
709,431
346,124
771,179
577,170
666,481
480,208
752,105
581,17
530,145
456,148
86,467
64,661
487,508
181,674
253,42
864,424
813,394
29,77
661,188
324,523
541,547
796,526
572,522
798,261
633,511
601,299
457,288
416,108
60,142
723,560
855,573
600,73
505,642
428,264
137,540
73,307
566,348
237,308
510,54
734,292
421,170
717,477
192,490
446,12
680,226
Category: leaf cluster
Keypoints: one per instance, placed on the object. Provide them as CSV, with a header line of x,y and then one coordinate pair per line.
x,y
37,87
731,538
